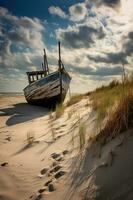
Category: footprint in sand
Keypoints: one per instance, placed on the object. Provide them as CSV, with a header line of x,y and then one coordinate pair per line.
x,y
4,164
42,190
55,155
55,172
60,159
54,164
65,152
59,174
55,169
51,187
43,172
8,138
48,182
39,197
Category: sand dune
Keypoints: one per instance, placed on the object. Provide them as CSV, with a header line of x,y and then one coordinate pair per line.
x,y
30,167
53,167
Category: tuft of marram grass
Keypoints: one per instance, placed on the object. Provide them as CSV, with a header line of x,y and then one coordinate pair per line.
x,y
114,106
118,120
30,137
105,97
59,110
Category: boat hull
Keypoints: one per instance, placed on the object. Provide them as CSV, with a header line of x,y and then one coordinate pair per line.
x,y
48,91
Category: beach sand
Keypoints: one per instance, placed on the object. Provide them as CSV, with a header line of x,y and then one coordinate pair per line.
x,y
49,165
50,157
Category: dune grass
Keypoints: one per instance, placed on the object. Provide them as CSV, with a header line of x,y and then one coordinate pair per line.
x,y
115,104
59,110
119,120
30,137
105,97
75,99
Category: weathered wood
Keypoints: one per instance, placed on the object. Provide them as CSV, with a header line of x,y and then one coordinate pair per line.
x,y
46,91
35,72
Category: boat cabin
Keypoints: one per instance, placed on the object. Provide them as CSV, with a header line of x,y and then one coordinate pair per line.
x,y
35,75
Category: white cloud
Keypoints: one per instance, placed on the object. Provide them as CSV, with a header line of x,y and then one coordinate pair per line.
x,y
24,34
3,11
78,12
55,10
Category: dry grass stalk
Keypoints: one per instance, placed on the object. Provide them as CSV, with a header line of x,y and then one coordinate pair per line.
x,y
30,138
59,110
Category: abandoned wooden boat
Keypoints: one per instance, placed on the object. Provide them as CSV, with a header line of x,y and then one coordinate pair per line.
x,y
47,89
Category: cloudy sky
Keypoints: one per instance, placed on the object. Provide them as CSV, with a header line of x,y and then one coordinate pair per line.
x,y
96,36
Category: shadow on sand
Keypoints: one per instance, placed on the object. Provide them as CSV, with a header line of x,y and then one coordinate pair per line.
x,y
22,112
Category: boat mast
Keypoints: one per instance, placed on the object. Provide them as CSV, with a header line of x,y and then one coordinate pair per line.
x,y
59,56
45,64
60,69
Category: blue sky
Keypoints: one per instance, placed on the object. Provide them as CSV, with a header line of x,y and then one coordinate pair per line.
x,y
37,8
95,37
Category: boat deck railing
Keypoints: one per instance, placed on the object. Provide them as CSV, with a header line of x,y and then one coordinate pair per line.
x,y
35,75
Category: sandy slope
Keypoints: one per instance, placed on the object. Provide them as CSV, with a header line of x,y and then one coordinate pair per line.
x,y
52,168
21,178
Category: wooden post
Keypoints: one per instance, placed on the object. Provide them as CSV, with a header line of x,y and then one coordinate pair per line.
x,y
29,79
36,76
44,62
60,70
